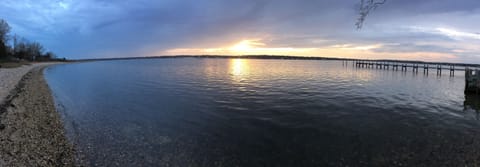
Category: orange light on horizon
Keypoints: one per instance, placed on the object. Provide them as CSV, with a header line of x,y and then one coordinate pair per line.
x,y
257,47
241,47
246,46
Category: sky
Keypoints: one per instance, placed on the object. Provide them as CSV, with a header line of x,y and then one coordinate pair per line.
x,y
428,30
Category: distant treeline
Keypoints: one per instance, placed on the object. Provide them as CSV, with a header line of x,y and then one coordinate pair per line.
x,y
13,47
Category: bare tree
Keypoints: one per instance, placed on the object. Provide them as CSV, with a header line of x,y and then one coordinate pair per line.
x,y
4,30
15,42
23,49
35,50
30,50
50,55
20,48
365,7
4,51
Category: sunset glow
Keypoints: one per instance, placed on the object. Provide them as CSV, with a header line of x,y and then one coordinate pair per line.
x,y
348,50
245,46
319,28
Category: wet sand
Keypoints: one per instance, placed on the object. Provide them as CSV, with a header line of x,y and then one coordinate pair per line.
x,y
31,130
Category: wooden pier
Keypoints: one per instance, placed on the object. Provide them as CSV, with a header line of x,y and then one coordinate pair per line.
x,y
410,66
472,71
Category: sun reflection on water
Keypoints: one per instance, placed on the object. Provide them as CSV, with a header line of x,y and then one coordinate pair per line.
x,y
239,67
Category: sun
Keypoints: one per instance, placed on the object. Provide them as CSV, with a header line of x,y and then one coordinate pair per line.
x,y
241,46
245,46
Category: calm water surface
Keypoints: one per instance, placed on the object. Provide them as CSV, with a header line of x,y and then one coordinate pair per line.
x,y
251,112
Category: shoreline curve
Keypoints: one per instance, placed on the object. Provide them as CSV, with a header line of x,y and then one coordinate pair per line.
x,y
32,132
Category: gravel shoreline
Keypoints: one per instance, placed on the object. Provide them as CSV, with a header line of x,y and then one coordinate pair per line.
x,y
9,77
31,130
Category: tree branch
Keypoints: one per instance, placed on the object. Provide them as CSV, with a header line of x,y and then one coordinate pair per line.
x,y
365,7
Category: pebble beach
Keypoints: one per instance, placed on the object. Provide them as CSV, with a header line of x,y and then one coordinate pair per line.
x,y
31,130
9,77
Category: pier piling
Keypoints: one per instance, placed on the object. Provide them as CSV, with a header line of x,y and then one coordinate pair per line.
x,y
452,70
439,69
404,67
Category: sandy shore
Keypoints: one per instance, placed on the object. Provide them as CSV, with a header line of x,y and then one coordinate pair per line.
x,y
31,130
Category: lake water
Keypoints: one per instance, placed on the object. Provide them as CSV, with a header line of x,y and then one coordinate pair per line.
x,y
253,112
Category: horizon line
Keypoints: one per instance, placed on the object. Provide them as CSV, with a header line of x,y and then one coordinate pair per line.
x,y
289,57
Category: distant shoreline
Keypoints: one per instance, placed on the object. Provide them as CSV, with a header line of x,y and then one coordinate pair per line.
x,y
275,57
32,132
